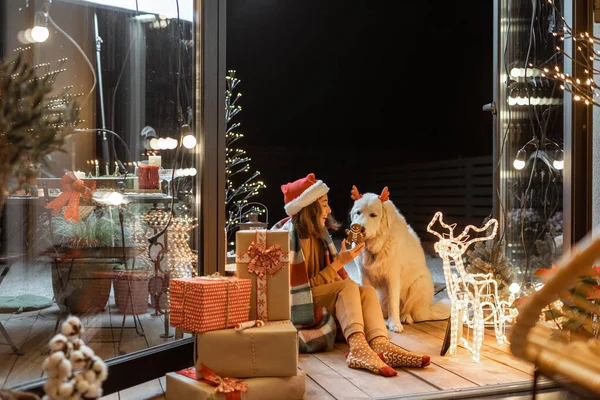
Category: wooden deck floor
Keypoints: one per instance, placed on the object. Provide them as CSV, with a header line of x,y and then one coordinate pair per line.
x,y
328,377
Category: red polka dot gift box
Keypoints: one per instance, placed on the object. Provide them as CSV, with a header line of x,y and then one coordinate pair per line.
x,y
208,303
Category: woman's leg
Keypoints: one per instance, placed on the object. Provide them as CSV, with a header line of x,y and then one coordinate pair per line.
x,y
342,299
377,336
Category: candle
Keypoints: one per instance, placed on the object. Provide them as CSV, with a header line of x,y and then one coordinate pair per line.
x,y
154,160
79,174
107,169
97,169
148,176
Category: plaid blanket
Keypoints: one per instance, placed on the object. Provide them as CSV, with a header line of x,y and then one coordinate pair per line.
x,y
321,337
316,327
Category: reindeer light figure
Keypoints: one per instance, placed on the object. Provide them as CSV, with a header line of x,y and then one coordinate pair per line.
x,y
474,297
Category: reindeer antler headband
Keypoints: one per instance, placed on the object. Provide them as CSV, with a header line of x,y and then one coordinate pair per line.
x,y
383,197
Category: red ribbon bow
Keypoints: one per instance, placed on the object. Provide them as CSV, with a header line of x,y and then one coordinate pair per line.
x,y
263,260
72,188
232,387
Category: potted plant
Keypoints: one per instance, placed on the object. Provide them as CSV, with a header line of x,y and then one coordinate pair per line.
x,y
84,255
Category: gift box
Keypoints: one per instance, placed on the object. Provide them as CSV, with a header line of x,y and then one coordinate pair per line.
x,y
270,350
181,385
207,303
263,257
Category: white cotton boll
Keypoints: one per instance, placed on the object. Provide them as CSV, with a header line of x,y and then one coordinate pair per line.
x,y
51,387
66,390
94,392
88,353
99,367
77,343
58,343
65,369
78,360
90,376
56,357
82,385
72,327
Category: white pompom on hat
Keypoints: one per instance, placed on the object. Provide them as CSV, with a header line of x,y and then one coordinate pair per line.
x,y
302,192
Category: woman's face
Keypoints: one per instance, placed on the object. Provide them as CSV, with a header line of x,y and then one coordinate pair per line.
x,y
325,210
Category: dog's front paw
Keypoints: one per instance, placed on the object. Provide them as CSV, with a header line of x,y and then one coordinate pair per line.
x,y
395,326
407,319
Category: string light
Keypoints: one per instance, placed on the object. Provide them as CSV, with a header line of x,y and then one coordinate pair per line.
x,y
40,32
474,297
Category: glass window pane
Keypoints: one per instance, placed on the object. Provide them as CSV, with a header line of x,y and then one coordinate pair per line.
x,y
100,227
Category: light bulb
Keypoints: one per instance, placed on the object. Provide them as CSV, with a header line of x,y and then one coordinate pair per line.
x,y
558,164
162,143
40,32
171,143
514,288
189,141
518,164
154,144
115,198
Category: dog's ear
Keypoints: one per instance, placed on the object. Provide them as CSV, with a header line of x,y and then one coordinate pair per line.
x,y
389,213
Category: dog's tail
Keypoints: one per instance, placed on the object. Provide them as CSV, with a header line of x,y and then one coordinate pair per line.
x,y
440,309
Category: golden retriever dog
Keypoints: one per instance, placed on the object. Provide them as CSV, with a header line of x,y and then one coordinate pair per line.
x,y
393,262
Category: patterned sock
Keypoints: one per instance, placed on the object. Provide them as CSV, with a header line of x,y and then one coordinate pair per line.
x,y
396,356
362,356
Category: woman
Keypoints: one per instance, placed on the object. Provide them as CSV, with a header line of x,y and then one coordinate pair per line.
x,y
318,269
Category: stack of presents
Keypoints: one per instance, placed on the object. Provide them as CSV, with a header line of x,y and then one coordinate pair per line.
x,y
245,345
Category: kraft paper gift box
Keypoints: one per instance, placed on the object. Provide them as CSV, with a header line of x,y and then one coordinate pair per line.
x,y
208,303
263,257
182,386
270,350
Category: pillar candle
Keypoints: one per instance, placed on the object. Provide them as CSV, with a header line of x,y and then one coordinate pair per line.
x,y
154,160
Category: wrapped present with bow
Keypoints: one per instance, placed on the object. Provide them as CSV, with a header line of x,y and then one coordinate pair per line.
x,y
263,256
72,191
184,385
208,303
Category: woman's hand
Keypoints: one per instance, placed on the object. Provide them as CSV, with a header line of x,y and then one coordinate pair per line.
x,y
347,255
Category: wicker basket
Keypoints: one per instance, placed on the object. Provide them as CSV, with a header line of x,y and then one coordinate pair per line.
x,y
138,281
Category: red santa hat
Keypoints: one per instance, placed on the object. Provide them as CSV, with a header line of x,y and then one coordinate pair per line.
x,y
301,193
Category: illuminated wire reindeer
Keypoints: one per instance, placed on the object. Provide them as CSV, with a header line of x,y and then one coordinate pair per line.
x,y
474,297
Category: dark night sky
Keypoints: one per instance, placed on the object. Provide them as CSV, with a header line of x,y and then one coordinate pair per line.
x,y
351,75
330,72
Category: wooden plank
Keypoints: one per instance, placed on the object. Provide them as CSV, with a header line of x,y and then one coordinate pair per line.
x,y
436,376
147,390
372,384
15,369
485,372
329,378
314,391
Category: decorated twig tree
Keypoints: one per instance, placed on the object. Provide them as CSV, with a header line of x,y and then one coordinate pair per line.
x,y
33,122
242,183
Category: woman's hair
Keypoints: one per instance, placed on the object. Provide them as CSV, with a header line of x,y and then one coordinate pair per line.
x,y
307,225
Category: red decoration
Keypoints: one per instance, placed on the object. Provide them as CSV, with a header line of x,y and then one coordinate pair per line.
x,y
264,260
232,387
72,189
148,177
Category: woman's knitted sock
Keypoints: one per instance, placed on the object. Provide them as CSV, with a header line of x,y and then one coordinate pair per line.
x,y
362,356
396,356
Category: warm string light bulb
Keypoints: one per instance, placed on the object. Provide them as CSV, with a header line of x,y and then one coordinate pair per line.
x,y
40,32
474,297
519,162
